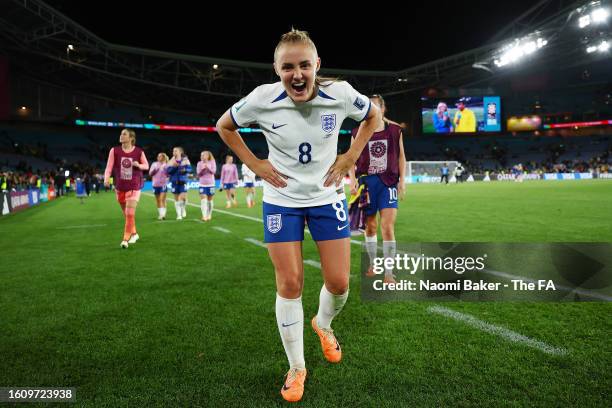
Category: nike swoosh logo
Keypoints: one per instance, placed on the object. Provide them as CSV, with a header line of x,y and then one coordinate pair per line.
x,y
287,325
340,229
392,202
285,388
274,126
240,106
337,346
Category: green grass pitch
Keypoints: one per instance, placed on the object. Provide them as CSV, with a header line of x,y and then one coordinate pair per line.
x,y
185,317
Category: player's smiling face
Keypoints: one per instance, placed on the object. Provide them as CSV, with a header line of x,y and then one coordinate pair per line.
x,y
297,66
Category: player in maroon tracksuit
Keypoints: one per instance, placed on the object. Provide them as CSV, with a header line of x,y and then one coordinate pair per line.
x,y
381,167
126,163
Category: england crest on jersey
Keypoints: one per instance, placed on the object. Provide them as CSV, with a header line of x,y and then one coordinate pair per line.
x,y
275,223
328,122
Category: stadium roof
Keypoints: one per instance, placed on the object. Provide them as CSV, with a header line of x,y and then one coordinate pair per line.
x,y
47,45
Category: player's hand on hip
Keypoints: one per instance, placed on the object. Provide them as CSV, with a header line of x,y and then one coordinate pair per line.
x,y
338,170
265,170
354,188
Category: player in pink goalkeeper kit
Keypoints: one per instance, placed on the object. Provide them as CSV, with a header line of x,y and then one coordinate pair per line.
x,y
159,177
229,179
206,173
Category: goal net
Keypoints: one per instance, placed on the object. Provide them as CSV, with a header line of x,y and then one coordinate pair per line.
x,y
428,171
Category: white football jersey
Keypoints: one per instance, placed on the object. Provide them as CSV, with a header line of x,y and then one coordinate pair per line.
x,y
248,176
302,137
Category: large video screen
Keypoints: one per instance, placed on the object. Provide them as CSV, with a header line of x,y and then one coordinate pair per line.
x,y
524,123
466,114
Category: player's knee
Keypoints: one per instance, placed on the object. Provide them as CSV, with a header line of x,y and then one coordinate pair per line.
x,y
338,286
371,226
388,230
290,287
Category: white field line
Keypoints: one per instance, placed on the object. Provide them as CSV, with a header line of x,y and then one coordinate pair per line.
x,y
226,231
256,242
498,331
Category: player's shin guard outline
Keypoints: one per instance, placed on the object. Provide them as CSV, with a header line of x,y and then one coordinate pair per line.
x,y
290,321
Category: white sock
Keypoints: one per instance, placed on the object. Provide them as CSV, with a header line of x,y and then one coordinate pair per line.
x,y
329,306
159,212
163,212
177,207
211,204
389,252
204,207
290,321
370,244
184,208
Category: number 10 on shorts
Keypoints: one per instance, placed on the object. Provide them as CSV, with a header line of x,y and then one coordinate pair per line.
x,y
392,193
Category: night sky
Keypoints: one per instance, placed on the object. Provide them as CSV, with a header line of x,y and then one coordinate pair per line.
x,y
382,38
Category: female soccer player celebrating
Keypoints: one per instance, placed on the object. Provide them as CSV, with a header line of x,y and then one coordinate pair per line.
x,y
206,172
178,169
301,117
229,179
248,177
160,181
381,168
126,163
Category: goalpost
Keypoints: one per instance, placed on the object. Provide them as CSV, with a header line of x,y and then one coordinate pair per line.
x,y
428,171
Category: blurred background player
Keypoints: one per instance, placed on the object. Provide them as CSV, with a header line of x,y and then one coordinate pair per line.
x,y
459,170
229,179
300,117
381,167
444,173
126,163
160,183
518,173
178,169
206,169
248,178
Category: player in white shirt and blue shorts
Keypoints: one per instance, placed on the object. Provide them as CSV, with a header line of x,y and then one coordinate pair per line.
x,y
248,178
300,117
